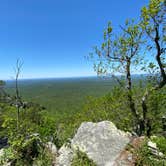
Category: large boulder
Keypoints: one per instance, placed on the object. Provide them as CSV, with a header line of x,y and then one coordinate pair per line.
x,y
102,142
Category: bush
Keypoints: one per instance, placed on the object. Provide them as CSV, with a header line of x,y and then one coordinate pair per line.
x,y
144,157
26,138
161,143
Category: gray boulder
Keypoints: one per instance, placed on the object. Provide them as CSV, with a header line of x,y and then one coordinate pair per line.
x,y
102,142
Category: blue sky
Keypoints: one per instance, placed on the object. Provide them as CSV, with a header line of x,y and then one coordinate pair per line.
x,y
52,37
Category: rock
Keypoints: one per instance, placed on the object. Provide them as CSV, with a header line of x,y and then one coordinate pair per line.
x,y
51,148
65,156
3,142
160,154
102,142
124,159
1,152
127,158
154,149
152,145
7,163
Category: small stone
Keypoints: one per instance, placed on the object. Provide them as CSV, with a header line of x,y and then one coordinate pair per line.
x,y
152,145
1,152
65,156
52,148
130,157
161,154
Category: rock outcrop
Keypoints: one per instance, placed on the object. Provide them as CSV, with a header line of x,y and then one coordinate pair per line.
x,y
102,142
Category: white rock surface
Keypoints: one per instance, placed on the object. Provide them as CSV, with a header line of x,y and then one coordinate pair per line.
x,y
52,148
1,152
152,145
102,142
154,149
65,156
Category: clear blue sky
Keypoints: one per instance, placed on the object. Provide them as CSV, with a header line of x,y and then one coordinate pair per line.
x,y
53,36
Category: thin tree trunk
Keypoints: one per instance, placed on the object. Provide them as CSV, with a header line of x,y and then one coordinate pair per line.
x,y
158,86
17,102
18,118
138,123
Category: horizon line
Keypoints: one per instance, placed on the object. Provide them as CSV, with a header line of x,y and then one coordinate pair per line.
x,y
65,77
31,78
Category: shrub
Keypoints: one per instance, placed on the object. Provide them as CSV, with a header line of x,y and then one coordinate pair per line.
x,y
144,157
161,143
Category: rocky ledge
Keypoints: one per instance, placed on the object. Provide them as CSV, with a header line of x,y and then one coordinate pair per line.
x,y
102,142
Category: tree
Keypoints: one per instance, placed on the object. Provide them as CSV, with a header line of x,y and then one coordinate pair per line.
x,y
2,92
2,84
154,24
120,54
18,103
123,54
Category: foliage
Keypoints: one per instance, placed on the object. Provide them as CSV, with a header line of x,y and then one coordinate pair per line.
x,y
126,52
41,157
26,150
64,100
113,107
81,159
116,51
26,140
61,96
130,106
161,143
110,107
156,105
145,157
44,158
8,155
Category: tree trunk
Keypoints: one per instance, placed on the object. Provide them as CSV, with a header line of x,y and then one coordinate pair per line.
x,y
138,125
161,84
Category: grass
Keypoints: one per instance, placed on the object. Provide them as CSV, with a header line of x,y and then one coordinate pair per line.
x,y
81,159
